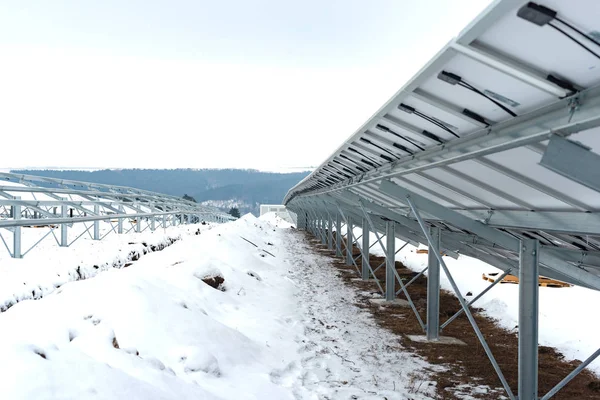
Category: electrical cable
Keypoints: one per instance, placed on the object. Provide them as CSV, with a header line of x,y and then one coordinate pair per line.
x,y
379,147
479,92
413,143
386,129
588,37
575,40
371,162
407,140
435,122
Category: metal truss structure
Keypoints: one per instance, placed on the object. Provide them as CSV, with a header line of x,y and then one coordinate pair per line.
x,y
56,204
491,151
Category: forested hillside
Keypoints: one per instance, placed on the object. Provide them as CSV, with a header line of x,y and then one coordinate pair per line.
x,y
223,188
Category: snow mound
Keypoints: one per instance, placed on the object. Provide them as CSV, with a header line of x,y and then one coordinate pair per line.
x,y
154,330
275,220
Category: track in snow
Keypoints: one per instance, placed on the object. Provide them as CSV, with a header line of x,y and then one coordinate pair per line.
x,y
344,354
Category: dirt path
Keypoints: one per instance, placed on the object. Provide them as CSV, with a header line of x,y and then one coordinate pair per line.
x,y
466,372
344,353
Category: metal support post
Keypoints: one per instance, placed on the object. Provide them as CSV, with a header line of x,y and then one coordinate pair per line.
x,y
323,230
96,223
16,211
329,232
64,238
365,250
152,218
349,242
338,235
138,224
301,220
313,223
164,222
528,319
390,261
433,288
461,300
120,220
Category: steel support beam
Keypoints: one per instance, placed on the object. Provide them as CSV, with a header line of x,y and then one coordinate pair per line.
x,y
509,242
323,228
64,237
96,223
574,161
16,213
528,319
338,234
349,241
120,220
365,249
461,300
572,375
390,261
510,68
433,287
329,232
480,295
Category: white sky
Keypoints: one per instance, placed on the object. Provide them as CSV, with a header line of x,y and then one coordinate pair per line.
x,y
266,84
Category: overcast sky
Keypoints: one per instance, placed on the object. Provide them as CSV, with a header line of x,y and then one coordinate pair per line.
x,y
266,84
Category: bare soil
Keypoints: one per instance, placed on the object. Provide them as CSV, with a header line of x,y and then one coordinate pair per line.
x,y
464,365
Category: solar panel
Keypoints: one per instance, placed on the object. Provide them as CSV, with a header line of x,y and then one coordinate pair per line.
x,y
497,137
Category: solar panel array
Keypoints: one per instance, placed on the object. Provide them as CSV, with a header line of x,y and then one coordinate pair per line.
x,y
495,140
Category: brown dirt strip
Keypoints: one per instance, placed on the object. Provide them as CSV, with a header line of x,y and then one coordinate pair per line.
x,y
465,365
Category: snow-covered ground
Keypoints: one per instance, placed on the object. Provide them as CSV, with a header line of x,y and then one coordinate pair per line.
x,y
566,316
49,266
281,325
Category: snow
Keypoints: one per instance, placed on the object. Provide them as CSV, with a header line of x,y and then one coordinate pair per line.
x,y
275,220
49,266
565,322
281,326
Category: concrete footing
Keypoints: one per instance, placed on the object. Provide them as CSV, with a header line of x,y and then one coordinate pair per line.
x,y
393,303
442,340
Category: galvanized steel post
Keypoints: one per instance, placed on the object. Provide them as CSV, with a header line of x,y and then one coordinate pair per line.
x,y
338,235
433,287
329,232
16,213
365,250
96,223
349,241
120,220
528,319
152,218
323,230
64,237
390,261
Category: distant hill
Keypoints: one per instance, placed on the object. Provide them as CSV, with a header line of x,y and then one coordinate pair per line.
x,y
223,188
